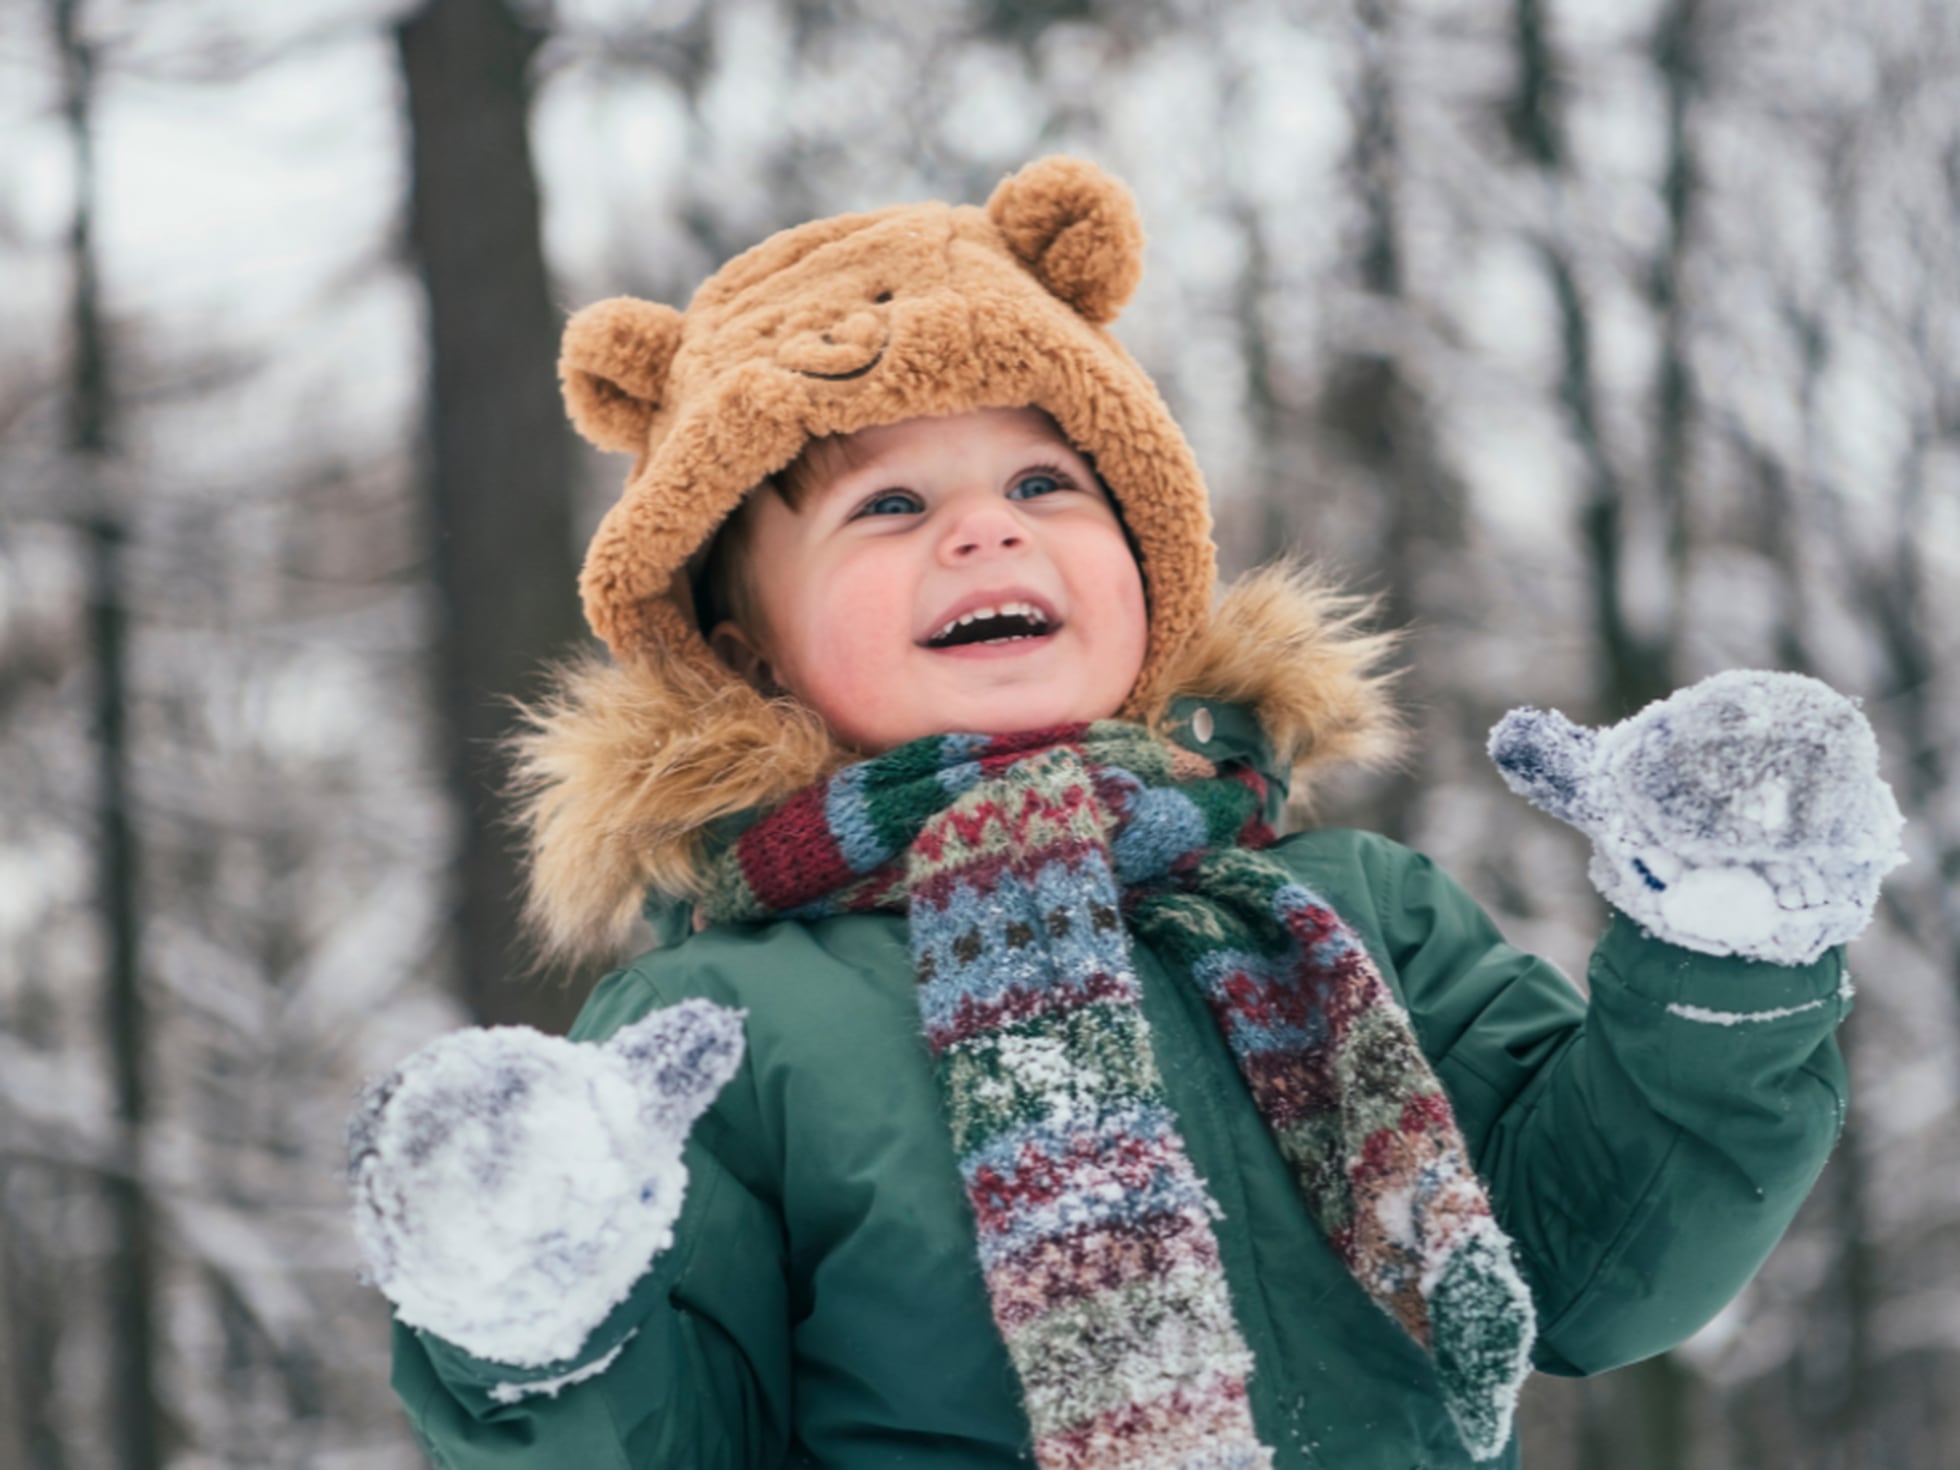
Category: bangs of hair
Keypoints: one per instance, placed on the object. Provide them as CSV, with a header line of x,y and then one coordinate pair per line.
x,y
820,462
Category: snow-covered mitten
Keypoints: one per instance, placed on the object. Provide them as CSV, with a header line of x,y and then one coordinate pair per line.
x,y
510,1187
1743,815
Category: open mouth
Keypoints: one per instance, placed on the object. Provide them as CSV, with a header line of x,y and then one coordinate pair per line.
x,y
1011,622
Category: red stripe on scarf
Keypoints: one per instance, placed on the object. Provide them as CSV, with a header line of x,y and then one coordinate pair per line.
x,y
976,826
1291,1086
1067,1268
1262,1001
1004,750
790,858
1023,1003
1040,1178
1179,1426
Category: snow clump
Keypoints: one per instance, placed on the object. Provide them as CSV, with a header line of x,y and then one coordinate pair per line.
x,y
1744,815
510,1187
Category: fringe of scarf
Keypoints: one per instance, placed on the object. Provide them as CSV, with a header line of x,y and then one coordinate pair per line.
x,y
1025,864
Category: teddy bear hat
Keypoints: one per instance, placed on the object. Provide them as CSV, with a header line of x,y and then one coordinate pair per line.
x,y
865,319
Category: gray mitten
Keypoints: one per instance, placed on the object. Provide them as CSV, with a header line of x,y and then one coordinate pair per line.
x,y
1743,815
510,1187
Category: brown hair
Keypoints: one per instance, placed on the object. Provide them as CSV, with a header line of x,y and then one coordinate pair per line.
x,y
724,588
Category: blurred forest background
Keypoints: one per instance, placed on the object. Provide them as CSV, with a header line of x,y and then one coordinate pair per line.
x,y
1613,342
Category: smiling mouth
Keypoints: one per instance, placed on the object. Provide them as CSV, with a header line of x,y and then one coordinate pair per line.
x,y
856,372
1019,623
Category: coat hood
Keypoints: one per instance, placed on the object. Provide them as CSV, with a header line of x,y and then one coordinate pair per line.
x,y
623,773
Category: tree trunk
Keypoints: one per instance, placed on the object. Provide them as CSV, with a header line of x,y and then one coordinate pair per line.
x,y
130,1272
1679,46
499,465
1637,1418
31,1201
1379,422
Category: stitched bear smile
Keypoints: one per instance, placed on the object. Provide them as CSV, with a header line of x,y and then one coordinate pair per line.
x,y
839,349
840,377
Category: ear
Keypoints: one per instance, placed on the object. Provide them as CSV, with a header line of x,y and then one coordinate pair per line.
x,y
737,650
613,366
1076,228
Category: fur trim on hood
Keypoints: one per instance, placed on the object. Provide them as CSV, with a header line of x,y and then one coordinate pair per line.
x,y
620,771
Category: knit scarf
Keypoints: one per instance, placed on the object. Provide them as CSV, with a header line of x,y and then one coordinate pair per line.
x,y
1026,864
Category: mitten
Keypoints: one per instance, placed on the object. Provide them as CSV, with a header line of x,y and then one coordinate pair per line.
x,y
1744,815
510,1187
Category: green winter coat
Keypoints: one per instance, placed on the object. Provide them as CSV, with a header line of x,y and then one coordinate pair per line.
x,y
823,1305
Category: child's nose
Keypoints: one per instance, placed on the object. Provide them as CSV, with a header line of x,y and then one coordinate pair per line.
x,y
987,528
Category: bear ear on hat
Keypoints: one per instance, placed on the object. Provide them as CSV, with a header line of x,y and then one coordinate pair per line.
x,y
613,366
1077,229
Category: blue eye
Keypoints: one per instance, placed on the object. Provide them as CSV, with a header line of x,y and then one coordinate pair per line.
x,y
1037,483
891,502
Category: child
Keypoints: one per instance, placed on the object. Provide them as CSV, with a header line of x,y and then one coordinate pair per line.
x,y
1000,1088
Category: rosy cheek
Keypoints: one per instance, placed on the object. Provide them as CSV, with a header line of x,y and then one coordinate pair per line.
x,y
844,641
1126,603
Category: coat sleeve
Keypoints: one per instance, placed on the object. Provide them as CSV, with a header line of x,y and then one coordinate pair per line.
x,y
1646,1149
692,1369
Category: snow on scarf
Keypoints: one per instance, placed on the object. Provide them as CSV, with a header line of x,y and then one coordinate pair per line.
x,y
1024,864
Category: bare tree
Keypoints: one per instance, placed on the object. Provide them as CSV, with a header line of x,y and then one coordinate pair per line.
x,y
499,467
1707,440
131,1270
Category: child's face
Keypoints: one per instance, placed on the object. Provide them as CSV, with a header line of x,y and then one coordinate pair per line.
x,y
924,522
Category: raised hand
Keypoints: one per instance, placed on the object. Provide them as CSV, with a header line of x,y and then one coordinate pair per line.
x,y
1743,815
510,1187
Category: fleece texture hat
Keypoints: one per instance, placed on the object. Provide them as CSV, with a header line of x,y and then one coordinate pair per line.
x,y
862,320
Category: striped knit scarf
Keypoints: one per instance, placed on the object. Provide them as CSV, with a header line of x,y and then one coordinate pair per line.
x,y
1025,864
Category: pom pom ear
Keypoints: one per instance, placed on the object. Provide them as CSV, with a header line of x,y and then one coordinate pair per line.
x,y
613,366
1077,229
